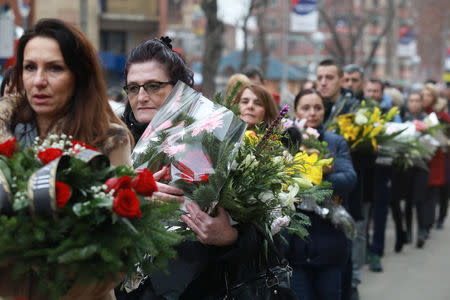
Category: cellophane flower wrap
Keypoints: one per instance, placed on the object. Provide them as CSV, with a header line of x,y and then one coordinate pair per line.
x,y
197,138
70,217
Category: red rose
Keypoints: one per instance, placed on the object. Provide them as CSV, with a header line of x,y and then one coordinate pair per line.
x,y
118,183
49,154
62,193
144,184
204,177
126,204
74,143
8,147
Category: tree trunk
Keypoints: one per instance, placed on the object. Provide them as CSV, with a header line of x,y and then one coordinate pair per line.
x,y
213,47
264,50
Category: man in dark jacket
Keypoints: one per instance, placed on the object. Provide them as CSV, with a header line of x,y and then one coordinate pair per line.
x,y
337,100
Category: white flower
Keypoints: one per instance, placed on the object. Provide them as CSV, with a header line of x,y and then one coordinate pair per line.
x,y
266,196
279,223
288,199
361,119
234,165
287,156
250,161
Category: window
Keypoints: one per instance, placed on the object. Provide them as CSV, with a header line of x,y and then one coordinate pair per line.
x,y
113,41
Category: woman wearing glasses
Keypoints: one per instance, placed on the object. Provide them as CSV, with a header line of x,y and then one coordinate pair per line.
x,y
151,71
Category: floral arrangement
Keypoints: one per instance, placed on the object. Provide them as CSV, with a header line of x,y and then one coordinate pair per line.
x,y
310,137
364,128
266,182
71,217
197,138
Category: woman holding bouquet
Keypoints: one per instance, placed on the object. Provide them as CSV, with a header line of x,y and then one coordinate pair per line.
x,y
60,89
152,69
319,260
256,105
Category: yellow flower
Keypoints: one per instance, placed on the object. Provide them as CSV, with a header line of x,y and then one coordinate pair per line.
x,y
375,117
367,130
351,133
375,131
309,167
391,113
251,137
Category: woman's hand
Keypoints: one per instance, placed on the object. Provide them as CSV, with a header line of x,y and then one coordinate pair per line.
x,y
166,191
209,230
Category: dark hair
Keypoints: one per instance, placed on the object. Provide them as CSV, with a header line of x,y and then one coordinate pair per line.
x,y
7,77
330,62
90,115
252,71
304,93
161,51
376,80
270,106
352,68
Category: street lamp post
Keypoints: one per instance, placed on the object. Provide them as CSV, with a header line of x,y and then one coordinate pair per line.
x,y
318,40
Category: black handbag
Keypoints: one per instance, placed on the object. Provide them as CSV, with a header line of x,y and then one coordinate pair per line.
x,y
272,284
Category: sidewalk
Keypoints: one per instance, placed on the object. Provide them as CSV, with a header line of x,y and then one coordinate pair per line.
x,y
413,274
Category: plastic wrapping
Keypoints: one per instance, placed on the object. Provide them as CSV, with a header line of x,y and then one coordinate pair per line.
x,y
197,138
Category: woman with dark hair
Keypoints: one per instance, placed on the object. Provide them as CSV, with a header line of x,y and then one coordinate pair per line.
x,y
256,105
5,89
155,67
60,89
151,71
318,261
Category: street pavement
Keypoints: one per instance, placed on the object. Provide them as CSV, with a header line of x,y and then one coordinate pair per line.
x,y
413,274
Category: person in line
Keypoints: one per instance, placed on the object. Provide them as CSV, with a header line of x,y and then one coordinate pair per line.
x,y
151,71
319,260
410,184
437,189
256,105
233,80
60,89
337,100
354,80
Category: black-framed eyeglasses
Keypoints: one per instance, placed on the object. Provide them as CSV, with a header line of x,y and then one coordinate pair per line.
x,y
150,87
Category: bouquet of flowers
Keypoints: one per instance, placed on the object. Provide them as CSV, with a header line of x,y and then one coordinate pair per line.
x,y
73,219
309,137
197,138
364,128
266,182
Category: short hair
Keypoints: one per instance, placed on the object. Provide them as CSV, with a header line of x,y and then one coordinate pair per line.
x,y
252,71
304,93
234,79
7,78
161,51
331,62
270,106
352,68
378,81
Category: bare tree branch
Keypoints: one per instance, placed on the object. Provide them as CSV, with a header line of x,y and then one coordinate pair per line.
x,y
332,27
386,28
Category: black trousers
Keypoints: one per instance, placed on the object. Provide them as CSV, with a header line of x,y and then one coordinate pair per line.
x,y
411,185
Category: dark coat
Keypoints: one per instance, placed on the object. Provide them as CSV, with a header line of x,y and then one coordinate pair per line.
x,y
199,270
326,245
